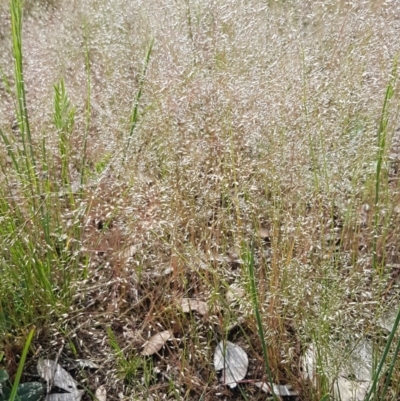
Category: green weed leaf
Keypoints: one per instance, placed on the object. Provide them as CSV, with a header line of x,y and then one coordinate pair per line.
x,y
32,391
3,375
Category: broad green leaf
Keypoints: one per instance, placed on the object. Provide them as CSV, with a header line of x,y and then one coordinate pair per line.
x,y
3,375
31,391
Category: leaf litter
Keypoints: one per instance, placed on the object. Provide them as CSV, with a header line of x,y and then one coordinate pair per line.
x,y
87,364
282,390
156,342
131,252
56,376
232,360
188,305
101,393
353,381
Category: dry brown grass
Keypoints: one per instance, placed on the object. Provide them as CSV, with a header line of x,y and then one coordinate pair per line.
x,y
258,120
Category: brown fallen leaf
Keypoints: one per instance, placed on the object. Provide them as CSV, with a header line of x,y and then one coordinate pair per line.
x,y
190,304
264,234
74,396
234,294
156,342
284,390
101,393
87,364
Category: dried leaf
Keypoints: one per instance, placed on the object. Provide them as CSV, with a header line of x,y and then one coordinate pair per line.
x,y
189,304
55,375
101,393
236,323
264,233
234,294
361,362
358,366
87,364
308,361
156,342
351,390
284,390
73,396
131,251
234,259
218,258
167,271
387,320
233,362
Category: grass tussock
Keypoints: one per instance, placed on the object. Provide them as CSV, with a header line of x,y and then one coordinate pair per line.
x,y
244,154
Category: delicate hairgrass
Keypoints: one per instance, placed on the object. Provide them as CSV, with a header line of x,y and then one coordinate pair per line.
x,y
128,367
268,114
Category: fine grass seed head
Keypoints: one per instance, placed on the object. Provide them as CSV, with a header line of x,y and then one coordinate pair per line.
x,y
150,172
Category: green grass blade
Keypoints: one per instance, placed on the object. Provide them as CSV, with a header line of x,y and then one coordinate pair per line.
x,y
88,108
377,373
253,289
135,112
381,137
389,373
22,110
21,366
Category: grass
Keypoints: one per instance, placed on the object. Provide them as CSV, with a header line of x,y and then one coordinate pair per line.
x,y
39,261
18,375
253,290
245,157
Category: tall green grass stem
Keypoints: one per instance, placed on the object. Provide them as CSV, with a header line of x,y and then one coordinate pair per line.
x,y
377,373
253,289
21,366
381,136
88,109
135,111
22,110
